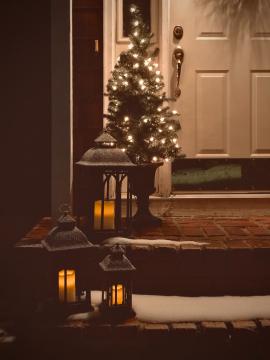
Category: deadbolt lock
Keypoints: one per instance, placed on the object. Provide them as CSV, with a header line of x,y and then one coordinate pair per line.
x,y
178,32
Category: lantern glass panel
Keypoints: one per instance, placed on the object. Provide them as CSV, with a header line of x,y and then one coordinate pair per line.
x,y
66,286
117,294
108,212
104,175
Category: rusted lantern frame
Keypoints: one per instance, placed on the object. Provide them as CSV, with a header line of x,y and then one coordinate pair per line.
x,y
68,248
117,270
96,168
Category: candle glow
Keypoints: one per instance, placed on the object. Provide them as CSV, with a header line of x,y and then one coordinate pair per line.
x,y
117,294
109,215
66,286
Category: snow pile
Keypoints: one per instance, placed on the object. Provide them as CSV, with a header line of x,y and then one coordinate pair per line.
x,y
126,241
166,309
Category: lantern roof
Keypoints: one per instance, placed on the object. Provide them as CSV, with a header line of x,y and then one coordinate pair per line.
x,y
116,261
105,154
66,236
105,137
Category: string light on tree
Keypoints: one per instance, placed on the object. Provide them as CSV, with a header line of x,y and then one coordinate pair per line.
x,y
147,61
141,100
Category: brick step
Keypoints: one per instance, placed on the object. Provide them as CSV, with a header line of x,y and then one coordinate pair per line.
x,y
235,259
133,340
201,270
227,265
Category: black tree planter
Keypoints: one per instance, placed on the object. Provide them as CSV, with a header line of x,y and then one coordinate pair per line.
x,y
142,180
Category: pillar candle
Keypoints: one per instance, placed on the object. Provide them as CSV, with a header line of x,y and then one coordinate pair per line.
x,y
118,300
70,296
109,215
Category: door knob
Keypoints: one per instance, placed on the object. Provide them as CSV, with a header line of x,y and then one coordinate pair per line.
x,y
179,58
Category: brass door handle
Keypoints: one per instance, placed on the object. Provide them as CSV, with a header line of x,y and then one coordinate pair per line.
x,y
96,46
179,58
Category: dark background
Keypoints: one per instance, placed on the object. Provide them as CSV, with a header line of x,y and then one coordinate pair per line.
x,y
25,178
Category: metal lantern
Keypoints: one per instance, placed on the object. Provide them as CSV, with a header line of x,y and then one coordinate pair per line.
x,y
103,173
117,276
68,252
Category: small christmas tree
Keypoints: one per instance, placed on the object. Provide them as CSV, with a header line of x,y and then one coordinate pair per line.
x,y
138,113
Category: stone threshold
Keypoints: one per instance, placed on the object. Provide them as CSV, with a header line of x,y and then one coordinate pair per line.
x,y
230,204
214,195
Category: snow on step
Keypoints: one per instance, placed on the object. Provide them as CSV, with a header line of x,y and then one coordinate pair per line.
x,y
126,241
167,309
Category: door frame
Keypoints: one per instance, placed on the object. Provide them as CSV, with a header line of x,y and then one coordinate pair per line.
x,y
61,105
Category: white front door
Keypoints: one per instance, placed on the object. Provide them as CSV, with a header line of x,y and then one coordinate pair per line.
x,y
225,80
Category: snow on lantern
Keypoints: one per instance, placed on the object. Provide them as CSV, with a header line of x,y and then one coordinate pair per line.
x,y
67,247
117,276
101,172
